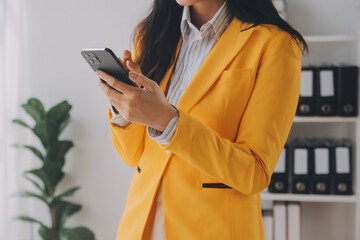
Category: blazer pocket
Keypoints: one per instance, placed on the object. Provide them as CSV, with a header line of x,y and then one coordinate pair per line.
x,y
215,185
235,75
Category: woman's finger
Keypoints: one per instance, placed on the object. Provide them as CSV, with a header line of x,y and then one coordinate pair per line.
x,y
127,68
134,67
113,82
142,80
127,55
130,64
112,95
123,63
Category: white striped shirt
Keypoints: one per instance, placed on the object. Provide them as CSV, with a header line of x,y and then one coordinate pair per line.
x,y
195,47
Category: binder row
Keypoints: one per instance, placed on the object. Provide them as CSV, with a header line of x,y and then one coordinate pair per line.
x,y
283,222
314,166
329,91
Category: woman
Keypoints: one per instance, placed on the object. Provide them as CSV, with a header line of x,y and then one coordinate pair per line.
x,y
220,83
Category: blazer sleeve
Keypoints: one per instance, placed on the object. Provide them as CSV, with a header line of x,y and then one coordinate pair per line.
x,y
128,141
248,163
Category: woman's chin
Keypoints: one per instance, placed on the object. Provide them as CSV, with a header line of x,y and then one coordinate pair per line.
x,y
186,2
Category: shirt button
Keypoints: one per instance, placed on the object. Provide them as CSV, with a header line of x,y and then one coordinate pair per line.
x,y
182,87
186,36
167,152
195,51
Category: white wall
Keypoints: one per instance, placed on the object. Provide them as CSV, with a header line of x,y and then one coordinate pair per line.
x,y
58,30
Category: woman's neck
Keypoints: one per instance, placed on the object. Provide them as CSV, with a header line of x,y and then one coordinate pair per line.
x,y
203,11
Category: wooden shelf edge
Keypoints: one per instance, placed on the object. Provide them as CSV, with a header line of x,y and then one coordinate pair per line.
x,y
307,198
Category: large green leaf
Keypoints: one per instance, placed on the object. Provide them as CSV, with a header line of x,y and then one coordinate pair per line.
x,y
33,149
35,184
46,131
29,219
47,233
37,105
34,108
59,113
54,172
50,174
57,151
78,233
64,123
63,210
42,175
67,193
31,194
21,123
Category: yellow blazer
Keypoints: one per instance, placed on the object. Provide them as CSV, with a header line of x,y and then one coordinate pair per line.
x,y
234,119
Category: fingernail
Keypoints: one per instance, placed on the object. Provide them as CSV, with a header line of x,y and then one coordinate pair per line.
x,y
133,75
97,72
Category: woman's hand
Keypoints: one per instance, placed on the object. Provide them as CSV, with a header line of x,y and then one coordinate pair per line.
x,y
129,65
147,106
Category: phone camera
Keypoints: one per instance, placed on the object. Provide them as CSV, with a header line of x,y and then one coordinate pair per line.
x,y
86,55
92,54
94,61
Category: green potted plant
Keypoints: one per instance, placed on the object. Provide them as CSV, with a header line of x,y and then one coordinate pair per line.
x,y
47,128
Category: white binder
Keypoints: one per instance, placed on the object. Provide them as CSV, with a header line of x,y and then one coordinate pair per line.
x,y
293,221
268,221
280,223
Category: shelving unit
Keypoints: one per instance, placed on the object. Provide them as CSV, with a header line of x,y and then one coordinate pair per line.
x,y
299,119
332,30
307,198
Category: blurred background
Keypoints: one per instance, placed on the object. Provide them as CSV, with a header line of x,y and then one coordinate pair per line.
x,y
40,57
40,44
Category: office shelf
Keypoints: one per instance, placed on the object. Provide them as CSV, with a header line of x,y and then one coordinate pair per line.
x,y
317,119
308,197
328,216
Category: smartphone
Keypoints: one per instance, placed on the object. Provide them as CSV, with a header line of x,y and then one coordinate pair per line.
x,y
105,60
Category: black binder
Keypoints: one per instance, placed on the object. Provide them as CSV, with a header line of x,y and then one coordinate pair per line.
x,y
342,177
348,90
306,104
301,165
326,91
321,179
280,176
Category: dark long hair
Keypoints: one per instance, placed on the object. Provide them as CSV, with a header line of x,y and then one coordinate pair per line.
x,y
156,37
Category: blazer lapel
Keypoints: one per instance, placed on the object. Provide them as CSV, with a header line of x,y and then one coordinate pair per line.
x,y
226,48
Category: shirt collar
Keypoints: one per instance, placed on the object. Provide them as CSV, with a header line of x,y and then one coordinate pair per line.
x,y
218,23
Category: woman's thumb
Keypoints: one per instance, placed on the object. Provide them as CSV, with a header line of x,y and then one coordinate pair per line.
x,y
130,64
134,67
